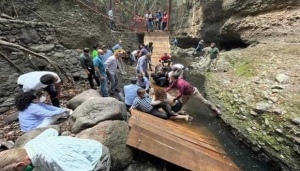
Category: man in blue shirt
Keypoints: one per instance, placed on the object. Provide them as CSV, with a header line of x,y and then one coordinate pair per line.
x,y
107,53
130,92
117,46
143,82
141,66
143,50
100,71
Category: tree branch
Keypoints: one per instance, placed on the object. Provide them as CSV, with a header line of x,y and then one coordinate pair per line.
x,y
57,68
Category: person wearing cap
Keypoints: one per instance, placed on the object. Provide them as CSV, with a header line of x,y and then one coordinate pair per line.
x,y
100,71
86,62
117,46
111,66
141,66
199,47
107,53
213,53
130,92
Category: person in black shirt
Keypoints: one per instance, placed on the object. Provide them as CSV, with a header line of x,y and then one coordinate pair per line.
x,y
86,62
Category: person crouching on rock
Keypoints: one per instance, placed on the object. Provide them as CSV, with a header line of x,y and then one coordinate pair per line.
x,y
186,91
143,82
34,113
143,103
165,59
50,152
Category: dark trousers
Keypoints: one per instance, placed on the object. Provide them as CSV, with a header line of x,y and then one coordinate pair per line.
x,y
92,74
128,107
164,25
166,107
176,108
51,91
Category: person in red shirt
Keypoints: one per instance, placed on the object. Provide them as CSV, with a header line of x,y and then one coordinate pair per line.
x,y
165,59
164,21
187,91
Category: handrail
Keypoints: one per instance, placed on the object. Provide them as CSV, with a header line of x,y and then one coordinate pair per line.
x,y
99,13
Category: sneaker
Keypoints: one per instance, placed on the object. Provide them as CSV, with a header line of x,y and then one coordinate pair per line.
x,y
218,111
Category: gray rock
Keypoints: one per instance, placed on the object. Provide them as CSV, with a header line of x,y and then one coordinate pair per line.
x,y
279,130
29,36
249,129
142,166
7,144
262,107
21,141
112,134
79,99
74,61
253,113
274,99
296,121
267,122
83,75
282,78
59,55
278,87
275,91
67,133
11,118
95,110
278,111
49,38
3,110
42,48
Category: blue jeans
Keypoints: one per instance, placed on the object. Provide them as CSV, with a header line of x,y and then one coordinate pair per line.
x,y
103,88
150,26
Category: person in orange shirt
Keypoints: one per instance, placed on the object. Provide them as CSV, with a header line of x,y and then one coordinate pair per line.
x,y
165,59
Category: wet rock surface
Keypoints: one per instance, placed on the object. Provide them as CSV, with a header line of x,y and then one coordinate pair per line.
x,y
262,108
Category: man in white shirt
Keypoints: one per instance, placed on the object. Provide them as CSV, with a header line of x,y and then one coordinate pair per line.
x,y
178,68
111,65
112,21
51,152
37,80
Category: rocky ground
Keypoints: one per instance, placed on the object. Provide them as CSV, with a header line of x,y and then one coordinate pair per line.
x,y
258,90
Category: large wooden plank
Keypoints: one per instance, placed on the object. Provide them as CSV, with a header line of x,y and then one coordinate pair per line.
x,y
185,136
178,127
174,152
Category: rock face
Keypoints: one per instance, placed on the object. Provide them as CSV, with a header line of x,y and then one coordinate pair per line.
x,y
112,134
79,99
235,23
95,110
21,141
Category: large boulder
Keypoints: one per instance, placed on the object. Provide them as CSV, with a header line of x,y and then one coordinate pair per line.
x,y
95,110
112,134
21,141
79,99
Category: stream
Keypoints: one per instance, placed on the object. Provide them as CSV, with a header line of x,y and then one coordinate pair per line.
x,y
205,121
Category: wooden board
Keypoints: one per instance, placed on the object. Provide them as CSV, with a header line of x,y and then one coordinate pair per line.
x,y
174,143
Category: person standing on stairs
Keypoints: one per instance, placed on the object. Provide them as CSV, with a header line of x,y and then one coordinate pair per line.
x,y
86,62
112,20
187,91
164,21
149,48
149,19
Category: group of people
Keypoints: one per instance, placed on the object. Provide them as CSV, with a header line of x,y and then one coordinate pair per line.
x,y
102,65
159,19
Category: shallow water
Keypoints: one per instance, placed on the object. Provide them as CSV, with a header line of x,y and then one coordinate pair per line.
x,y
205,121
